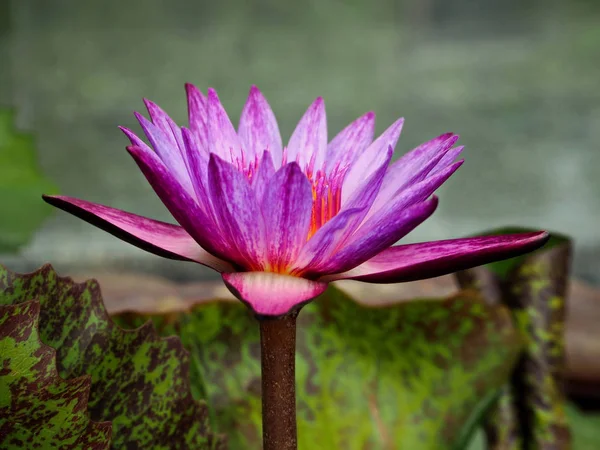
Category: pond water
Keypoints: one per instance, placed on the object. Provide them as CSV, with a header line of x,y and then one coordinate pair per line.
x,y
519,81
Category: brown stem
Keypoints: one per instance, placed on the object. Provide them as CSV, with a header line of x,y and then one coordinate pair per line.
x,y
278,362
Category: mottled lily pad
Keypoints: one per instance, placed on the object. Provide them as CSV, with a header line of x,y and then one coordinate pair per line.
x,y
39,409
408,375
531,411
139,381
21,185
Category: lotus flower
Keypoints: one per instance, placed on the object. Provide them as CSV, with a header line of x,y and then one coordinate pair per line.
x,y
281,222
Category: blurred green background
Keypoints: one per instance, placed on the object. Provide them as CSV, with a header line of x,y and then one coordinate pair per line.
x,y
518,80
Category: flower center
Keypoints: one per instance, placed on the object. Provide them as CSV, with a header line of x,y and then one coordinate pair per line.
x,y
327,198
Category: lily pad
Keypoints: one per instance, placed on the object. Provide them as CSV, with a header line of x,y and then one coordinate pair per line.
x,y
21,185
39,409
532,409
139,381
407,375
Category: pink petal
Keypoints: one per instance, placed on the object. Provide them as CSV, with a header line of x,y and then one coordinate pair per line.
x,y
197,114
412,168
363,165
431,259
351,142
162,120
238,213
160,238
264,173
222,137
258,128
406,198
337,235
166,149
286,207
272,294
308,143
447,159
323,243
377,237
180,204
198,169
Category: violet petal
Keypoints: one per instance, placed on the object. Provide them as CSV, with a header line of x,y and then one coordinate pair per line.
x,y
160,238
258,129
431,259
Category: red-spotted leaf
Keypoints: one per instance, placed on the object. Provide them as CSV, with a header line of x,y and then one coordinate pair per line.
x,y
139,381
38,408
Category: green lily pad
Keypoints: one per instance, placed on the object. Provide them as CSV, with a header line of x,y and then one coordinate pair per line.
x,y
531,412
409,375
21,185
39,409
139,381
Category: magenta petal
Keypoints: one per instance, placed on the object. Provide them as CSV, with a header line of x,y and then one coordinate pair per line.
x,y
361,201
258,129
363,166
162,120
222,137
180,204
447,159
286,207
160,238
431,259
308,143
238,213
379,236
408,197
272,294
322,244
198,169
343,150
265,171
167,150
412,168
197,113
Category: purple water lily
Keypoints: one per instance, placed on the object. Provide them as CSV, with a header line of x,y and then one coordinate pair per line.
x,y
281,222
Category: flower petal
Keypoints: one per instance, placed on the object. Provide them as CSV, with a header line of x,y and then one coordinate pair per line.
x,y
258,129
197,113
380,235
308,143
166,149
351,142
447,159
160,238
180,204
360,202
264,173
413,168
238,213
405,199
322,244
286,208
198,169
162,120
222,137
363,164
271,294
431,259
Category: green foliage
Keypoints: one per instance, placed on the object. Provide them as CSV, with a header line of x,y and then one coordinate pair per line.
x,y
136,380
38,409
21,185
409,375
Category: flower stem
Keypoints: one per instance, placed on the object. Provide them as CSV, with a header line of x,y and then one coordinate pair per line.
x,y
278,362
